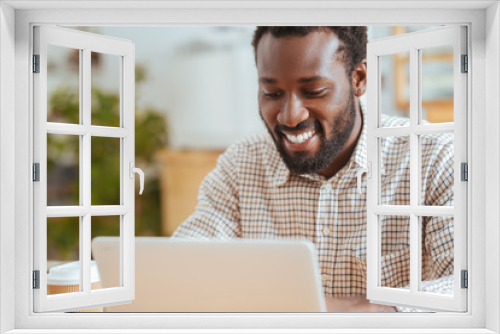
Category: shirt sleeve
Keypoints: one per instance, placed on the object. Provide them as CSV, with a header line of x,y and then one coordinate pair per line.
x,y
438,232
217,214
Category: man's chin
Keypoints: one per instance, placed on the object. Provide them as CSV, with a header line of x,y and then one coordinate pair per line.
x,y
300,162
299,154
296,154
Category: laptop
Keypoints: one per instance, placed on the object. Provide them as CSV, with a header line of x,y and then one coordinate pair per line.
x,y
241,275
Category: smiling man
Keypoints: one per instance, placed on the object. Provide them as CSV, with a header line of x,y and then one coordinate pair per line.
x,y
299,180
307,95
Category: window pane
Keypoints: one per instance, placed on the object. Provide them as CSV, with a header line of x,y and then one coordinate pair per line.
x,y
105,78
437,154
63,84
395,89
394,251
107,226
63,174
395,170
105,155
437,255
63,249
437,84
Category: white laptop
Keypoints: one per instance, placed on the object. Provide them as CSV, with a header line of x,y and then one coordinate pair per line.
x,y
242,275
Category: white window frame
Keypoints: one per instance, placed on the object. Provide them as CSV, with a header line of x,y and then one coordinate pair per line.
x,y
413,43
483,21
86,43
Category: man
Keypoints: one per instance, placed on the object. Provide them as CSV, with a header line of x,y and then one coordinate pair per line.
x,y
299,180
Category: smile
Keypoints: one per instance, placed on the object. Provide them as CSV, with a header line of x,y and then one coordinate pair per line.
x,y
301,138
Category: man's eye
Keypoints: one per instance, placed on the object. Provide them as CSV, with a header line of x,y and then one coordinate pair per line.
x,y
315,92
272,95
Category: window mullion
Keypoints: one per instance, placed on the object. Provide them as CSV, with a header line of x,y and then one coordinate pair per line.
x,y
106,131
85,163
421,210
414,174
417,224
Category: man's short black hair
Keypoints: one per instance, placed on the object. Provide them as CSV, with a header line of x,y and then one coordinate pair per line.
x,y
353,40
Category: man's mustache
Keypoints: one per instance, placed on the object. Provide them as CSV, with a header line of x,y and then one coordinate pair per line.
x,y
301,126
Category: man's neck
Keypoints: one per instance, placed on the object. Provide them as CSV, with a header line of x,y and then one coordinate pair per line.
x,y
345,154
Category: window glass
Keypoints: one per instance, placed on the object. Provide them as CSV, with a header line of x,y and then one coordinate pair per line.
x,y
107,226
394,251
63,170
105,78
395,170
437,255
63,85
105,171
436,84
63,249
394,89
437,159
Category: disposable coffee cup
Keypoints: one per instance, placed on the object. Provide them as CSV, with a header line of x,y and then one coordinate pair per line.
x,y
65,278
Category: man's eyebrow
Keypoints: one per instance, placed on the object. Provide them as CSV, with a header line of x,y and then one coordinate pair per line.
x,y
301,80
311,79
268,80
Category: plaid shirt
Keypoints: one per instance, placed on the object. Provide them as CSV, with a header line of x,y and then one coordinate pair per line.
x,y
252,194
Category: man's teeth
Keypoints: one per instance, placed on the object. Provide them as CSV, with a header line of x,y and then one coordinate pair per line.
x,y
300,138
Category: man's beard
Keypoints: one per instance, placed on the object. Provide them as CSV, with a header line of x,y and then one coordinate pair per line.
x,y
300,162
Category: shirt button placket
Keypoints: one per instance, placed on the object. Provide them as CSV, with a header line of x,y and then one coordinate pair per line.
x,y
323,202
326,201
328,228
323,231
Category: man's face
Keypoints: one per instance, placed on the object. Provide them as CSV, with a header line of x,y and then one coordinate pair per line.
x,y
306,98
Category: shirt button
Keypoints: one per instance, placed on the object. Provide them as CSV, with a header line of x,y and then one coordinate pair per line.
x,y
326,231
324,278
327,187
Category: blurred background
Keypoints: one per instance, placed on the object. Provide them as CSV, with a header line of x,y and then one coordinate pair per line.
x,y
196,93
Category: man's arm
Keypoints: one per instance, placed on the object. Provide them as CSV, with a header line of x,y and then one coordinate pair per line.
x,y
217,214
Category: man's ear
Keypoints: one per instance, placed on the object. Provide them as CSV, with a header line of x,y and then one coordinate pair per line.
x,y
359,76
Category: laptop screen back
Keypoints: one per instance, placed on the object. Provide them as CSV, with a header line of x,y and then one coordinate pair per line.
x,y
241,275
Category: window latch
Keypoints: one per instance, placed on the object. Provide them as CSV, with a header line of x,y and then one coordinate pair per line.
x,y
360,173
139,171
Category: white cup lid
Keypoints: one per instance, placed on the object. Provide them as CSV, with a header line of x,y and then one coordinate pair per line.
x,y
69,274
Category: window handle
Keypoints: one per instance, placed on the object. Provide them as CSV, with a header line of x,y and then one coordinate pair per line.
x,y
360,173
138,171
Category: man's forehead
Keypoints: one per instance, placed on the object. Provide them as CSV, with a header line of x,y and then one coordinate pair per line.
x,y
304,53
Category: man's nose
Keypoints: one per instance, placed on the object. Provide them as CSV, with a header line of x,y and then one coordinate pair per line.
x,y
293,112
